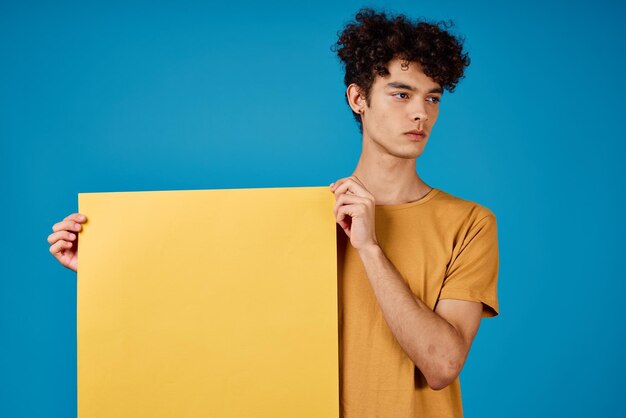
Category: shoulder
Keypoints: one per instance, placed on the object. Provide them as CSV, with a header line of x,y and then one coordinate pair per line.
x,y
465,211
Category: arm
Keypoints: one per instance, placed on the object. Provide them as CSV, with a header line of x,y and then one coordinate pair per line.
x,y
436,341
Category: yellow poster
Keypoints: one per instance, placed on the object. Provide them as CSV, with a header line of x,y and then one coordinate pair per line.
x,y
208,303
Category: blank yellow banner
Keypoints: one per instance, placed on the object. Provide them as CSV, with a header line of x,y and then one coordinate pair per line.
x,y
208,303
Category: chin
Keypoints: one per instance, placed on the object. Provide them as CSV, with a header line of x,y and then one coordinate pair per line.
x,y
414,151
407,154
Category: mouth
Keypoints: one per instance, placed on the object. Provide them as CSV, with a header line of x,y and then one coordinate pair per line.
x,y
416,135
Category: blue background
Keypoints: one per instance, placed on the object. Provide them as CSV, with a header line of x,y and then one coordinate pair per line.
x,y
166,95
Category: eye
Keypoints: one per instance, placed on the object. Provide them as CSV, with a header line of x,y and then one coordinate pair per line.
x,y
396,94
435,99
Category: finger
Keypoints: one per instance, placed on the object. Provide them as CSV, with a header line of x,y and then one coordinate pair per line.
x,y
343,218
350,186
354,210
347,199
345,186
353,177
76,217
337,183
346,215
64,235
68,225
60,246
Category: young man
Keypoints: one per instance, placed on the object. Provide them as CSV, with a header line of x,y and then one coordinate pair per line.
x,y
421,266
418,266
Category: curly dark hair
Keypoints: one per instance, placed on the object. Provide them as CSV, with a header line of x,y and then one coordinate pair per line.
x,y
366,46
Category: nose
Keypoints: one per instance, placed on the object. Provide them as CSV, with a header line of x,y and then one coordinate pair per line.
x,y
418,113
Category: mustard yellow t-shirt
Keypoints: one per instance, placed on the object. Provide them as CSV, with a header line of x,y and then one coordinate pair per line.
x,y
444,247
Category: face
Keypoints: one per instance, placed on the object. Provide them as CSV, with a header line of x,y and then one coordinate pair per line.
x,y
405,100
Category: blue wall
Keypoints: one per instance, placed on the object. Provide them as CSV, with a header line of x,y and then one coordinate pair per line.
x,y
161,95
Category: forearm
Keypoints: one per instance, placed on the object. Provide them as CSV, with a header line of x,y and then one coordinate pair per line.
x,y
430,341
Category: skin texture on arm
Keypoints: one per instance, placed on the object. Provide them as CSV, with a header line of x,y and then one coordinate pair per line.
x,y
436,341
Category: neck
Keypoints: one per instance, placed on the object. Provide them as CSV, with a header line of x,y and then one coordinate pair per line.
x,y
392,180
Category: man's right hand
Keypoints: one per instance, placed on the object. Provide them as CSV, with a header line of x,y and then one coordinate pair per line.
x,y
64,240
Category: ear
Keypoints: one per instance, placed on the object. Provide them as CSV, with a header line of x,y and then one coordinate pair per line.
x,y
356,98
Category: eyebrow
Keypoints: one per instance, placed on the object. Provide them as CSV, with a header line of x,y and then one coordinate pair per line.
x,y
398,85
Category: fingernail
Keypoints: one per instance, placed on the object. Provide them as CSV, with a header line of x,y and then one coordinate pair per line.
x,y
331,184
81,217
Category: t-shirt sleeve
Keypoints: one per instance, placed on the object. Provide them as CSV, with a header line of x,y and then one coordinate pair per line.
x,y
473,272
